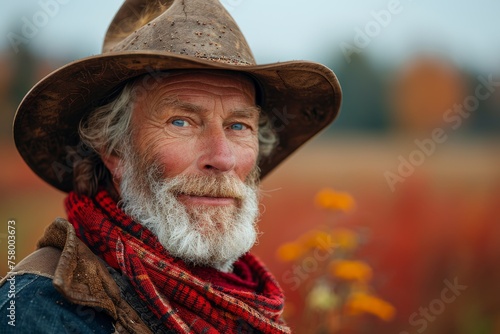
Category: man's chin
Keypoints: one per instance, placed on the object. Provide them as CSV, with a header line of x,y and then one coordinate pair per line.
x,y
219,237
211,220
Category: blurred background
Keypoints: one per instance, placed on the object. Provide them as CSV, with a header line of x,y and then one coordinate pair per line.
x,y
416,145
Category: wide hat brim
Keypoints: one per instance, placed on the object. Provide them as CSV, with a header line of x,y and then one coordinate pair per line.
x,y
300,97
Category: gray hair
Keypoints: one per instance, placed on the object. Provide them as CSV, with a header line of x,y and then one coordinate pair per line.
x,y
108,127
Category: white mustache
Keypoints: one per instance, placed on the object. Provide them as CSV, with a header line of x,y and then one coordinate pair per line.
x,y
209,186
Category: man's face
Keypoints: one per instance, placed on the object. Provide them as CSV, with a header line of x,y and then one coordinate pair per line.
x,y
189,172
199,123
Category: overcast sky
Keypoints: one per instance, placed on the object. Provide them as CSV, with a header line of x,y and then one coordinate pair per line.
x,y
463,30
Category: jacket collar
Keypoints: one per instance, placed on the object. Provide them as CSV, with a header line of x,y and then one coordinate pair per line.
x,y
83,279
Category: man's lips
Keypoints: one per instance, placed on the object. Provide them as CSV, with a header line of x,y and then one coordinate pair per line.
x,y
206,200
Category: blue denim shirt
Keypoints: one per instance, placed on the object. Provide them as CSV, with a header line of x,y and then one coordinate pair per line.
x,y
39,308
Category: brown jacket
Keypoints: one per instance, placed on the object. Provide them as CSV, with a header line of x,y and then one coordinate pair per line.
x,y
79,275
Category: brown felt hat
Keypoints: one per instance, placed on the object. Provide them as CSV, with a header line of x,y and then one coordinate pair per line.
x,y
301,97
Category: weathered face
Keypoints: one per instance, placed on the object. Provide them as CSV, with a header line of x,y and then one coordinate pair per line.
x,y
200,123
188,173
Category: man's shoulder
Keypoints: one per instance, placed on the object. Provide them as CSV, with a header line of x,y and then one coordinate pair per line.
x,y
30,303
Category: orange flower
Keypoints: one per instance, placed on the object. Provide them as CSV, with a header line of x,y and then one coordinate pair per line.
x,y
345,238
351,270
336,201
364,303
290,251
317,239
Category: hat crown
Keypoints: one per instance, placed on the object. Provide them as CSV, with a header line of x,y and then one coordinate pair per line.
x,y
197,28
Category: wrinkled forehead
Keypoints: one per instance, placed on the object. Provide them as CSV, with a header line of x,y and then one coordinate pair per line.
x,y
186,78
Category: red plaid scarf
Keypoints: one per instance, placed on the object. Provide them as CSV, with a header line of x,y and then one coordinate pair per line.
x,y
181,297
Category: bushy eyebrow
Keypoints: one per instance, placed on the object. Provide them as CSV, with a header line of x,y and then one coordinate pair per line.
x,y
173,102
247,112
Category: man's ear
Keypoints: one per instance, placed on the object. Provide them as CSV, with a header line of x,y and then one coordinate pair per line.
x,y
114,164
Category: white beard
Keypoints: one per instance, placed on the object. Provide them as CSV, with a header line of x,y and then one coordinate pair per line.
x,y
214,236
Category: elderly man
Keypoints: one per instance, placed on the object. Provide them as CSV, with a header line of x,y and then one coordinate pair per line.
x,y
161,142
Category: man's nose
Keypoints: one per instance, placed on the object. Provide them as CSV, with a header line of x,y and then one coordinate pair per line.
x,y
217,152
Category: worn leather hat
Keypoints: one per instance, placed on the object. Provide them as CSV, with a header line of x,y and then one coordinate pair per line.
x,y
153,36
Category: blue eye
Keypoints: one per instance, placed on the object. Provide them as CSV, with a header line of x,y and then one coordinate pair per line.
x,y
179,122
237,126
